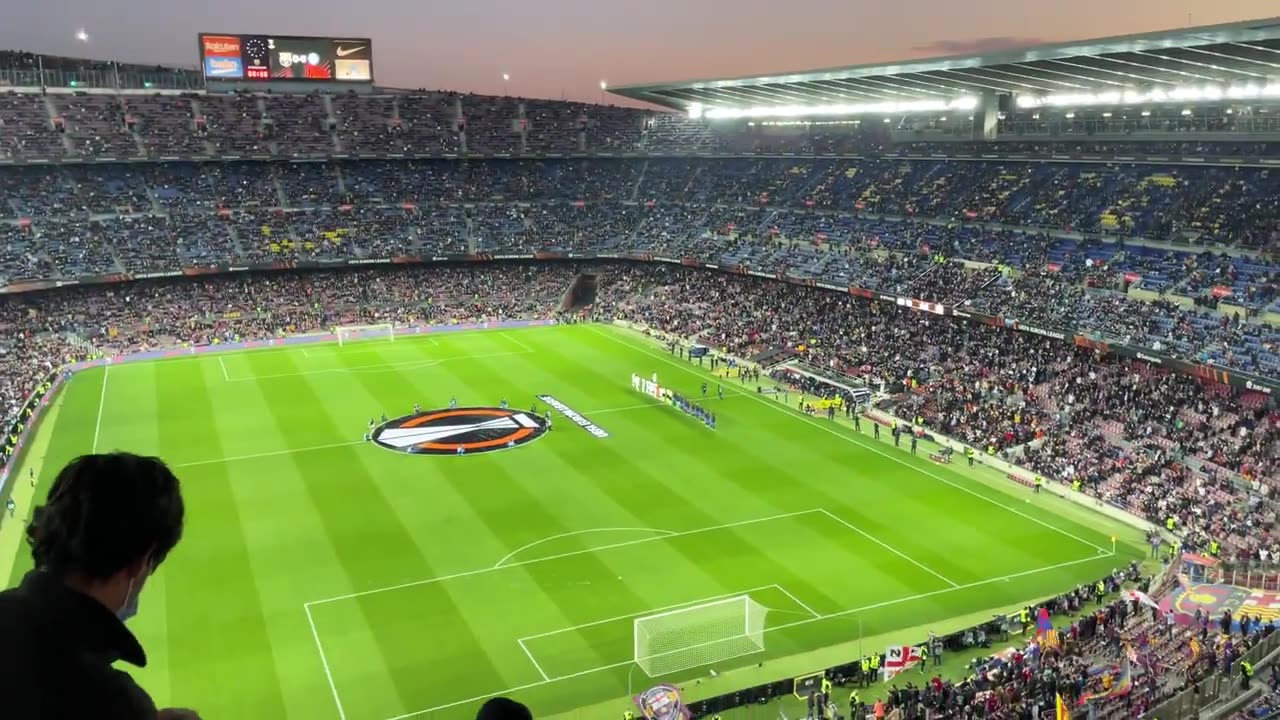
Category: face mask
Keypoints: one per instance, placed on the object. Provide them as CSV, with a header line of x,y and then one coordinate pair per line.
x,y
130,607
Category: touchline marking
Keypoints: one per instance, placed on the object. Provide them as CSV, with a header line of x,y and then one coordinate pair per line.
x,y
342,715
268,454
806,621
225,375
522,548
890,548
557,556
534,660
102,400
857,440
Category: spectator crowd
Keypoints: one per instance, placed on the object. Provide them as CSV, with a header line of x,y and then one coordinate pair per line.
x,y
1154,442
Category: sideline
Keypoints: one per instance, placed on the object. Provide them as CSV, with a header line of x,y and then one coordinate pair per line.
x,y
858,440
13,531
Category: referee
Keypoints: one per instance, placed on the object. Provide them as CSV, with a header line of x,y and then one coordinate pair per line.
x,y
109,522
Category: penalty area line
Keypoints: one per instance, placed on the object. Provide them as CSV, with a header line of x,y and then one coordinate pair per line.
x,y
570,553
535,543
533,660
806,621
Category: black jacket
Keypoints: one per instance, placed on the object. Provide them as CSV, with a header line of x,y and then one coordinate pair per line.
x,y
56,651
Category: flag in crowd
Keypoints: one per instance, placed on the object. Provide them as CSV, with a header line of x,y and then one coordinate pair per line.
x,y
1063,712
1143,598
899,658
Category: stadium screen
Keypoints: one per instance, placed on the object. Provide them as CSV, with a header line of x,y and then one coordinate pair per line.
x,y
268,58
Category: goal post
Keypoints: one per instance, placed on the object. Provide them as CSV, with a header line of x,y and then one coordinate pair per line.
x,y
348,334
699,635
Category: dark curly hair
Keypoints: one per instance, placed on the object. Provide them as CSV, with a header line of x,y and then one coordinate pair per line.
x,y
104,513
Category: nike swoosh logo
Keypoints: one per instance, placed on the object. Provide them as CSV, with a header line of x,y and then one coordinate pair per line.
x,y
343,52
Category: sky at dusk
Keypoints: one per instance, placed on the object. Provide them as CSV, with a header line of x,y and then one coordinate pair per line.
x,y
555,48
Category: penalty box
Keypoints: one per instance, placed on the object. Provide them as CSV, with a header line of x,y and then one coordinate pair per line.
x,y
567,611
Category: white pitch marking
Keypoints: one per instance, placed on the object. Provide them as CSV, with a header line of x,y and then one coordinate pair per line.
x,y
861,443
806,621
623,409
657,610
534,660
102,401
890,548
225,375
798,601
571,553
269,454
519,342
342,715
381,367
522,548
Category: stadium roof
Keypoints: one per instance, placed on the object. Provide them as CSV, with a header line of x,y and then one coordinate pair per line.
x,y
1229,54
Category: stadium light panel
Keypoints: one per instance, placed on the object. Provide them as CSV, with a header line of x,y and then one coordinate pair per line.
x,y
885,108
1211,92
695,110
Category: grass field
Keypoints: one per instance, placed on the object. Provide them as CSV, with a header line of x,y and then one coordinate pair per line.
x,y
325,577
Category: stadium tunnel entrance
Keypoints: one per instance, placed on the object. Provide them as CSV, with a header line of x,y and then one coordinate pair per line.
x,y
581,293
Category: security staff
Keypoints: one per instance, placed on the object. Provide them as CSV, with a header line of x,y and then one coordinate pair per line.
x,y
1170,523
1039,484
968,453
1246,673
865,666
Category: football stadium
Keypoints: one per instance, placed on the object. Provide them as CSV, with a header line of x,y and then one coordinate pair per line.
x,y
939,388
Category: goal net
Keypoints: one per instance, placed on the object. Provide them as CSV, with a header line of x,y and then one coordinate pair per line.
x,y
348,334
700,635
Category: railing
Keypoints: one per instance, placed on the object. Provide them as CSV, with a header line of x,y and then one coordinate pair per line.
x,y
1218,689
109,76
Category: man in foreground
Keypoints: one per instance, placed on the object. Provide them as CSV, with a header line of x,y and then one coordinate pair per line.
x,y
108,523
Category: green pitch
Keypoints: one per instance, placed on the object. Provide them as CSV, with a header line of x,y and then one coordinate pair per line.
x,y
324,577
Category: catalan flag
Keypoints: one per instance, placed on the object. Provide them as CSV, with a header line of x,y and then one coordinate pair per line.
x,y
1050,639
1196,648
1063,712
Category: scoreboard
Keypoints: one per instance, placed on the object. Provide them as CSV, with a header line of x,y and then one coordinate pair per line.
x,y
266,58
